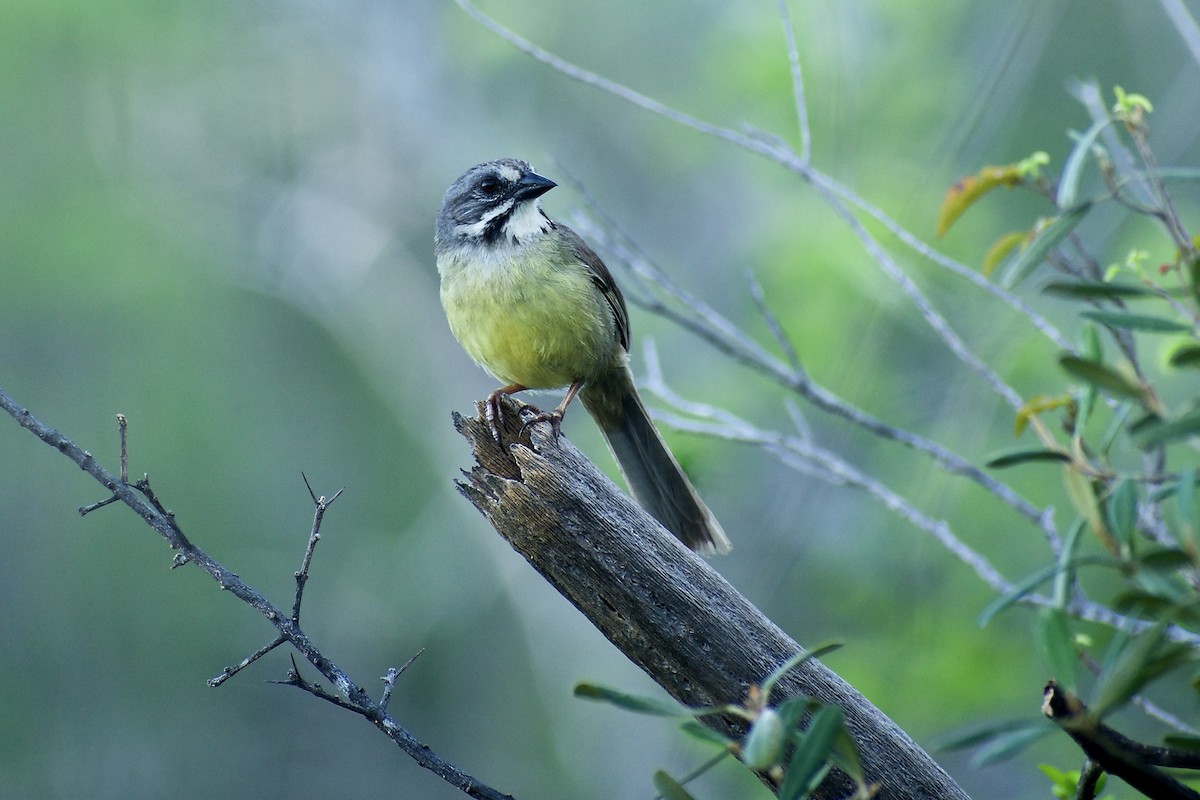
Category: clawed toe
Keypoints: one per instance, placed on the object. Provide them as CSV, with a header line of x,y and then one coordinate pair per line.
x,y
555,419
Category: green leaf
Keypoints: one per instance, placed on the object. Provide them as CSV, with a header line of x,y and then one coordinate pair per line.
x,y
1068,183
810,760
1185,499
1007,745
1028,584
1009,458
1064,581
976,733
704,733
1135,663
1045,241
1182,741
629,702
1167,559
1096,290
845,756
669,788
792,710
1136,322
794,662
1100,375
1091,349
1083,497
1057,645
1121,511
1154,431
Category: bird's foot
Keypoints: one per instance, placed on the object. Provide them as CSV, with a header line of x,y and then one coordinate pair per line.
x,y
554,417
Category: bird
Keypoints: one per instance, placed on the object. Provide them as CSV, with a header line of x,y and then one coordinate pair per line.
x,y
533,304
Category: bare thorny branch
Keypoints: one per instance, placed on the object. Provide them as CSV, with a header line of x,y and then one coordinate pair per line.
x,y
348,695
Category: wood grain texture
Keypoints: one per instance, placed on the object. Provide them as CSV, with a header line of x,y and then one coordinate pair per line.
x,y
665,607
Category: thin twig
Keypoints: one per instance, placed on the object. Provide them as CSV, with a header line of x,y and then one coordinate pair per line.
x,y
313,537
781,338
122,429
798,100
717,422
142,500
389,680
708,323
229,672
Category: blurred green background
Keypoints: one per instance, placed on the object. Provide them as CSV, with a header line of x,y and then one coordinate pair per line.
x,y
217,219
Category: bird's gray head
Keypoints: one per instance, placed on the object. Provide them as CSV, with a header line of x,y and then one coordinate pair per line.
x,y
493,203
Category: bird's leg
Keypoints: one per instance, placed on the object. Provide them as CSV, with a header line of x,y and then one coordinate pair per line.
x,y
555,417
492,406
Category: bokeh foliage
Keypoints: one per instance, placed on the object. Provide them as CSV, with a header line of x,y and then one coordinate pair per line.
x,y
217,220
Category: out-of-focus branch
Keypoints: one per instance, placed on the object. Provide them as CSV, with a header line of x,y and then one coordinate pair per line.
x,y
142,500
699,317
659,603
1116,754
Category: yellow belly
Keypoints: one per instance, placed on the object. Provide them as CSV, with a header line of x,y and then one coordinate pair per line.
x,y
526,321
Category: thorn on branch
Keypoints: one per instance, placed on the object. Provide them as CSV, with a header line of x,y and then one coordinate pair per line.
x,y
85,510
229,672
294,678
122,425
314,536
389,680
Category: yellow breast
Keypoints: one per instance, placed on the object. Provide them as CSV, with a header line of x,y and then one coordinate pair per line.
x,y
529,314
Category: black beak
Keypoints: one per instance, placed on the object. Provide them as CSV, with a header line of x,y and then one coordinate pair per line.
x,y
532,185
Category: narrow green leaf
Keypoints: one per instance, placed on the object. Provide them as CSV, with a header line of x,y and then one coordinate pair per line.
x,y
1096,290
1155,432
630,702
1182,741
1007,745
845,757
1185,499
795,661
976,733
1091,349
1083,498
1064,581
1167,559
1139,661
669,788
792,710
1043,243
1146,602
1136,322
1057,646
704,733
1068,183
1031,582
1101,375
1121,511
810,759
1009,458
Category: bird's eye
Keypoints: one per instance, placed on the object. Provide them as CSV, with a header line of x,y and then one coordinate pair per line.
x,y
489,187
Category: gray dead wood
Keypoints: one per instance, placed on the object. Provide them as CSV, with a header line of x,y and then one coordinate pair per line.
x,y
665,608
